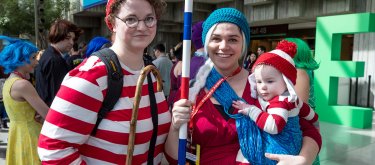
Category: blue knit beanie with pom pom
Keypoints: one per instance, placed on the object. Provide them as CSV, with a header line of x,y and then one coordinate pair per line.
x,y
230,15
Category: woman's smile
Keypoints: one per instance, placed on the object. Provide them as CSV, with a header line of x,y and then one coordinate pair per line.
x,y
222,55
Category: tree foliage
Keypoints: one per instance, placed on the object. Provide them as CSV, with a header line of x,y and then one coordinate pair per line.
x,y
17,16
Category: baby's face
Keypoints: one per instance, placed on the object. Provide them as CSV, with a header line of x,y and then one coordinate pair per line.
x,y
270,82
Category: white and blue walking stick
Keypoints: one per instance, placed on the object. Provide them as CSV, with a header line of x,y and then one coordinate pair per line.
x,y
185,76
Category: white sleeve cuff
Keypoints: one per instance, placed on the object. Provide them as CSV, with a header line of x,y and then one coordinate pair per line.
x,y
254,112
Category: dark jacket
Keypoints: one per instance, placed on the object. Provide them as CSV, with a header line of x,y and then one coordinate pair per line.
x,y
49,74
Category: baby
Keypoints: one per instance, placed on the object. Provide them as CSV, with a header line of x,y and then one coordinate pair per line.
x,y
272,81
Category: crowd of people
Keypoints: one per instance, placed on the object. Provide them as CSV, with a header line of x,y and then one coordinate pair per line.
x,y
234,107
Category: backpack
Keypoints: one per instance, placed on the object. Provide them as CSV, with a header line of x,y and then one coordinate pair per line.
x,y
115,82
115,85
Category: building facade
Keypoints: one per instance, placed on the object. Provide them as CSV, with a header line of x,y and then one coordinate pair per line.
x,y
270,21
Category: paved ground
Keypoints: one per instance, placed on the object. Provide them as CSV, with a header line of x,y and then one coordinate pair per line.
x,y
347,146
3,145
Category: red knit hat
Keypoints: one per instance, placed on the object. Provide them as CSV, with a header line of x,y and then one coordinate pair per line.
x,y
107,12
281,58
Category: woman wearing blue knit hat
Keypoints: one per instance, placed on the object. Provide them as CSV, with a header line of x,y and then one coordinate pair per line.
x,y
22,102
212,120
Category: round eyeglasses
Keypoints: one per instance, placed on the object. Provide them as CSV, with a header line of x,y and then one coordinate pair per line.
x,y
133,22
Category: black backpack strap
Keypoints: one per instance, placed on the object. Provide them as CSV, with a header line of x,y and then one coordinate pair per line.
x,y
154,115
115,83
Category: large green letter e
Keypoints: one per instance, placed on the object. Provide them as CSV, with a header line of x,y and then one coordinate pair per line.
x,y
329,31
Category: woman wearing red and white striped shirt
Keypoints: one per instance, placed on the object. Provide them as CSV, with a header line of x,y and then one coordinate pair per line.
x,y
65,137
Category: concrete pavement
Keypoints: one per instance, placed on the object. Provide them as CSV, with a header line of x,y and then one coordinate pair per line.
x,y
3,145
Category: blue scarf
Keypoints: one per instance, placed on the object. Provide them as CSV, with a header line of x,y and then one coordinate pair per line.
x,y
224,94
253,141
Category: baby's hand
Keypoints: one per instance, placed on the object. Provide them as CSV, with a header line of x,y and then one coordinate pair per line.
x,y
242,106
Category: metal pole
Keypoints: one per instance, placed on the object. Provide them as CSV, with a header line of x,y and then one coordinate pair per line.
x,y
350,91
36,5
356,91
368,90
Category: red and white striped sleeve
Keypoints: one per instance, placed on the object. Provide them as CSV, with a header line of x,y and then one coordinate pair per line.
x,y
274,118
308,113
73,114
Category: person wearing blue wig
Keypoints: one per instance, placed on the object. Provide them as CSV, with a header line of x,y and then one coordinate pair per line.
x,y
96,44
22,102
213,122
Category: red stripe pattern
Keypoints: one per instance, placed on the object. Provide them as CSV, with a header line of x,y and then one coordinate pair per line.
x,y
65,136
276,111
